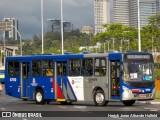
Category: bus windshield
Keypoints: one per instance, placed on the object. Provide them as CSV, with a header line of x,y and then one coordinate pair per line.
x,y
138,71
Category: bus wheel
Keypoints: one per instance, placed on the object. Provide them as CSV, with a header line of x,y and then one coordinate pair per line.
x,y
99,98
24,99
128,102
48,101
39,97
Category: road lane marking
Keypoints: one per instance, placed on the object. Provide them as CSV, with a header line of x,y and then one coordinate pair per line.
x,y
3,109
154,110
151,109
62,107
14,99
80,107
155,103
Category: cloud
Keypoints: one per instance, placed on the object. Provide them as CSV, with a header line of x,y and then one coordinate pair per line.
x,y
28,12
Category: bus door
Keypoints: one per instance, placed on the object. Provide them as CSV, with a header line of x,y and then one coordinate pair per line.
x,y
60,81
114,80
115,75
24,79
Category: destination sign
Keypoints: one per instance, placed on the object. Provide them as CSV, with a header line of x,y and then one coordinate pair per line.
x,y
138,56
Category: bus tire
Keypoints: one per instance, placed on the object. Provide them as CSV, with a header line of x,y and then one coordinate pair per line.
x,y
99,98
24,99
128,102
39,97
48,101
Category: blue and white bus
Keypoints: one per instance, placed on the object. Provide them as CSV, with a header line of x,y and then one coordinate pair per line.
x,y
97,77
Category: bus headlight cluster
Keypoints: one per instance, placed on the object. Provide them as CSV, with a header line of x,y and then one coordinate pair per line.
x,y
127,92
126,89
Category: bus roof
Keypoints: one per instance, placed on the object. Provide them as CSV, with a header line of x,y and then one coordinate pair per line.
x,y
66,56
57,56
41,56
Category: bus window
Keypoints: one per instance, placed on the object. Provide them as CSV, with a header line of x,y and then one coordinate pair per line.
x,y
87,67
74,67
100,67
61,68
47,68
36,68
13,68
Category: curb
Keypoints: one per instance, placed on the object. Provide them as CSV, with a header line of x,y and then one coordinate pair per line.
x,y
154,102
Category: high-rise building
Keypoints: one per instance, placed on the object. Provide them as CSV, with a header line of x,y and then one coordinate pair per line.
x,y
121,12
126,11
133,13
11,35
148,8
67,26
101,14
54,25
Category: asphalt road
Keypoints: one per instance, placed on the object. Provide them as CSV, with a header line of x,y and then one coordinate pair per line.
x,y
81,109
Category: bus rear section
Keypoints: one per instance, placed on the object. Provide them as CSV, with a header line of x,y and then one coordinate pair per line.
x,y
41,79
12,78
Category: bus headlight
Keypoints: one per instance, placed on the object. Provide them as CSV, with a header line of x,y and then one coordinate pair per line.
x,y
127,94
126,89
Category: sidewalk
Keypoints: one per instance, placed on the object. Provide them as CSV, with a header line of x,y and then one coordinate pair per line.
x,y
156,101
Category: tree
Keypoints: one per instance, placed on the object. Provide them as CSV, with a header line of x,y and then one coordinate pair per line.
x,y
150,33
119,33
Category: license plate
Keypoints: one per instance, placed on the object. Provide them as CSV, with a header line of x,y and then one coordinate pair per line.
x,y
142,95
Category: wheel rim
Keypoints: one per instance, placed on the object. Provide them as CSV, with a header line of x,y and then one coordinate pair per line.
x,y
39,96
99,98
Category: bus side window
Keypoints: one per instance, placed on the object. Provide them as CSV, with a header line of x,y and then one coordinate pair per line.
x,y
47,68
87,67
13,68
100,67
74,67
36,68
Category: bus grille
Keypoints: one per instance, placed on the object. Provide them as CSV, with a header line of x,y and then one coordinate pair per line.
x,y
142,84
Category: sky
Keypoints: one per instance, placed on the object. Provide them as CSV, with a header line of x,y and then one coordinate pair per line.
x,y
28,13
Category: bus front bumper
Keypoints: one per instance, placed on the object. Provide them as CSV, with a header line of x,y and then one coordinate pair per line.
x,y
128,95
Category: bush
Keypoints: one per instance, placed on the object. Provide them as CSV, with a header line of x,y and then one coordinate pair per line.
x,y
157,65
157,95
157,74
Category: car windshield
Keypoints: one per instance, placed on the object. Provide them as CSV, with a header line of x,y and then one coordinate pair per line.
x,y
139,71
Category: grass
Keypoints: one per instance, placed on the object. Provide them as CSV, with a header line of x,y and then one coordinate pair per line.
x,y
157,96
